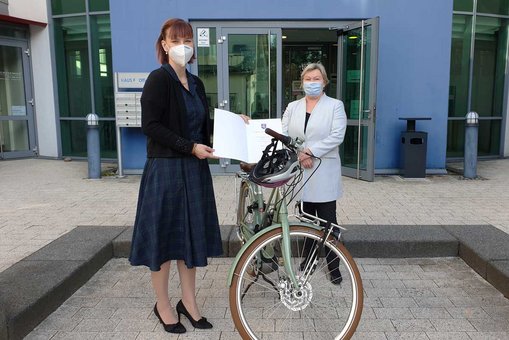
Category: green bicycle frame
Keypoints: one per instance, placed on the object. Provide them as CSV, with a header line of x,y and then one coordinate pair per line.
x,y
284,223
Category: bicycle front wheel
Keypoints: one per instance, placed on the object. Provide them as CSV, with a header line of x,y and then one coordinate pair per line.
x,y
264,303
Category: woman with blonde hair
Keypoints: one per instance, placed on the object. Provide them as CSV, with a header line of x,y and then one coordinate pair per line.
x,y
320,121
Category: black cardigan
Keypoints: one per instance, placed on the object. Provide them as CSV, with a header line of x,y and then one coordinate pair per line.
x,y
164,114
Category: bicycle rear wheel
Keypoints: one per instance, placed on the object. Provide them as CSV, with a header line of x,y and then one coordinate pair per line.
x,y
263,303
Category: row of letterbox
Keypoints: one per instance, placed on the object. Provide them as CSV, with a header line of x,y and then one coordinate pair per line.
x,y
128,109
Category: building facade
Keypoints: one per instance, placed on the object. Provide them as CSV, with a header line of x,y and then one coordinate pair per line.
x,y
387,60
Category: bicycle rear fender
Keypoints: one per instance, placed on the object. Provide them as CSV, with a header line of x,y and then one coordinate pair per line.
x,y
252,239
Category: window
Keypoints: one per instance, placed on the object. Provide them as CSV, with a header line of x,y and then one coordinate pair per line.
x,y
477,75
84,73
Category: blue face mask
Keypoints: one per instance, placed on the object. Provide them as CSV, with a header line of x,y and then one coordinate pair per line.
x,y
312,88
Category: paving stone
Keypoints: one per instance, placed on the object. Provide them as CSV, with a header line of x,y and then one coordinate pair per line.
x,y
403,276
490,325
397,302
481,301
488,335
498,312
157,336
406,335
452,325
392,313
278,336
117,335
447,335
467,312
94,313
359,335
97,325
75,335
414,292
430,313
133,325
422,283
412,325
380,292
376,325
386,283
433,302
375,268
446,292
406,268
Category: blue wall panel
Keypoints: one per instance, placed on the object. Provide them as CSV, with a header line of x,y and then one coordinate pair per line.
x,y
413,61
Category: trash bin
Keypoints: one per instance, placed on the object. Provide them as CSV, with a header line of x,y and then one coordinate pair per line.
x,y
414,145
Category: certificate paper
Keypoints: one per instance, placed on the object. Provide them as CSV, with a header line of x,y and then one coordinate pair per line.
x,y
237,140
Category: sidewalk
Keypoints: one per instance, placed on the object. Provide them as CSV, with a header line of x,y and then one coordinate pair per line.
x,y
44,199
429,298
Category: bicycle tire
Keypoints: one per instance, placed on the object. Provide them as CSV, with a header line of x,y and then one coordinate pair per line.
x,y
261,313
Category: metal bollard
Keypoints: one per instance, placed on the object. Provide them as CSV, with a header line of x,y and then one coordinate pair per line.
x,y
93,146
471,139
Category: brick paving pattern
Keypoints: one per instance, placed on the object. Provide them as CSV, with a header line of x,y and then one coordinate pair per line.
x,y
429,298
44,199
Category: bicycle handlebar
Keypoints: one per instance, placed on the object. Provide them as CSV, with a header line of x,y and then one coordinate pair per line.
x,y
282,138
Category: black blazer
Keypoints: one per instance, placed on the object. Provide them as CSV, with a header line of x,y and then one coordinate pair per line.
x,y
164,114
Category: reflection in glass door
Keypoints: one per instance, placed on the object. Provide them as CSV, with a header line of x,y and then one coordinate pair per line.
x,y
16,113
358,59
249,75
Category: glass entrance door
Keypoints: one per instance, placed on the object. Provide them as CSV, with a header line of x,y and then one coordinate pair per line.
x,y
357,59
16,102
249,75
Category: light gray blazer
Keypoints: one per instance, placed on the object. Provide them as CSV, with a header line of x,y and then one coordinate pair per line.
x,y
324,133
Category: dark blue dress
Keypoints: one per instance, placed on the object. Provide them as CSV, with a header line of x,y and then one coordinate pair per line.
x,y
176,218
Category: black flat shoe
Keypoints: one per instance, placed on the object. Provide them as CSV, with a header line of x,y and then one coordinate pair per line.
x,y
333,265
170,328
335,276
200,324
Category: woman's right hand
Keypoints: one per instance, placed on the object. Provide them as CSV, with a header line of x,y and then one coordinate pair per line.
x,y
203,151
305,158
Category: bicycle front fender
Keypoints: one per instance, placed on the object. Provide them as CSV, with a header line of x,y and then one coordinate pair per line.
x,y
252,239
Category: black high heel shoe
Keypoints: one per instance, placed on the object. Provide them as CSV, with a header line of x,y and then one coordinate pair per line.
x,y
200,324
170,328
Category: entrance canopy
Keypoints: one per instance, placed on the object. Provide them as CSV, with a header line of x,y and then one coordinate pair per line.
x,y
16,20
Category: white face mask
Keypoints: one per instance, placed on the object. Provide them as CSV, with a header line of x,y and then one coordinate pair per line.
x,y
181,54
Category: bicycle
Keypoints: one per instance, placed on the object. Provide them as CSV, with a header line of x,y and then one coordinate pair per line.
x,y
278,280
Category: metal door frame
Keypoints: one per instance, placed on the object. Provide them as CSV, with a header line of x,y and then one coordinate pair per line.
x,y
29,102
369,173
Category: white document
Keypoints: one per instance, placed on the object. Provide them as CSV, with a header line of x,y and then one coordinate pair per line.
x,y
237,140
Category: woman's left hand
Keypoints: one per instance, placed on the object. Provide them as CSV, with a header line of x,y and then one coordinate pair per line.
x,y
245,118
